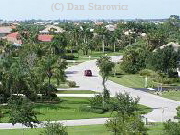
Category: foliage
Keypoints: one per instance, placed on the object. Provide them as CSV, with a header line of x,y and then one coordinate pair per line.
x,y
48,92
164,60
134,59
147,72
125,104
172,128
22,111
69,57
71,84
106,66
126,125
126,121
96,102
54,129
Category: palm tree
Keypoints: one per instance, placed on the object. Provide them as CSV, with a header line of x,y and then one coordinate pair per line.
x,y
102,31
86,38
106,66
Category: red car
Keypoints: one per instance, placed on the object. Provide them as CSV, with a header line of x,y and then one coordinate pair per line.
x,y
87,73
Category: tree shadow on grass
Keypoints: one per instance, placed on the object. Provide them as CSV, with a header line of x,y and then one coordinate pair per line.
x,y
50,106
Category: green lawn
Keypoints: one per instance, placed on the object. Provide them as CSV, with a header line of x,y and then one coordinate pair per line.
x,y
129,80
95,55
144,109
82,130
174,95
76,92
68,109
133,81
156,129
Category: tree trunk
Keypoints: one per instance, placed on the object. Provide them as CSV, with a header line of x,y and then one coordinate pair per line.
x,y
114,47
103,44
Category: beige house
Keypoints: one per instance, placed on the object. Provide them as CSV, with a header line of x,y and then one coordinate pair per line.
x,y
53,28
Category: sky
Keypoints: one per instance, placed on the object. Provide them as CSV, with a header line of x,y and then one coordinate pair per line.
x,y
67,9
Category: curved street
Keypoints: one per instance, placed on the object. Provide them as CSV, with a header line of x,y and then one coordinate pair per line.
x,y
163,109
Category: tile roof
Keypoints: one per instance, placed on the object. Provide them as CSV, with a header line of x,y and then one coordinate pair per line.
x,y
14,38
45,38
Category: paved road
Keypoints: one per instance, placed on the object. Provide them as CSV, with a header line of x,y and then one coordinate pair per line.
x,y
163,109
78,122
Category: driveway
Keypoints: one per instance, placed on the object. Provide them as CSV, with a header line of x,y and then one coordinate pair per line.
x,y
163,109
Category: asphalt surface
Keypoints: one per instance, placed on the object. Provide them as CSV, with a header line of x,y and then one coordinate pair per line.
x,y
79,122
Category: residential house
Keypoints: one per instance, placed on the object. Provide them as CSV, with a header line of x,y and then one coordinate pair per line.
x,y
13,38
52,28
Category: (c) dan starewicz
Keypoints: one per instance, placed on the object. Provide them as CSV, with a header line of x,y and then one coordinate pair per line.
x,y
71,6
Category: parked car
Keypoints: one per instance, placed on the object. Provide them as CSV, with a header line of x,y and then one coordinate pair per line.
x,y
87,73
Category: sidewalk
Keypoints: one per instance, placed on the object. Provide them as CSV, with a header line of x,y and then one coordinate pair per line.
x,y
79,122
76,95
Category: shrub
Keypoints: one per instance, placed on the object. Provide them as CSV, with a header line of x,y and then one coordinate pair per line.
x,y
173,74
48,89
172,128
1,114
69,57
96,102
126,125
31,95
72,51
52,98
91,109
71,84
54,129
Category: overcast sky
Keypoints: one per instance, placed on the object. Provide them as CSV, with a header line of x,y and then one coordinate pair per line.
x,y
42,9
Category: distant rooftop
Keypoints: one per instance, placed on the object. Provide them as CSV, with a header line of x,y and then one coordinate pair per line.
x,y
5,29
174,45
45,38
13,38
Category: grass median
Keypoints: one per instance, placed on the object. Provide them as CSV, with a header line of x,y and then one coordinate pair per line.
x,y
68,109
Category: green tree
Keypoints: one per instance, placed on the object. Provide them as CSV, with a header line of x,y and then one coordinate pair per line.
x,y
126,125
106,66
134,59
58,44
101,31
164,60
21,111
126,120
124,104
171,128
